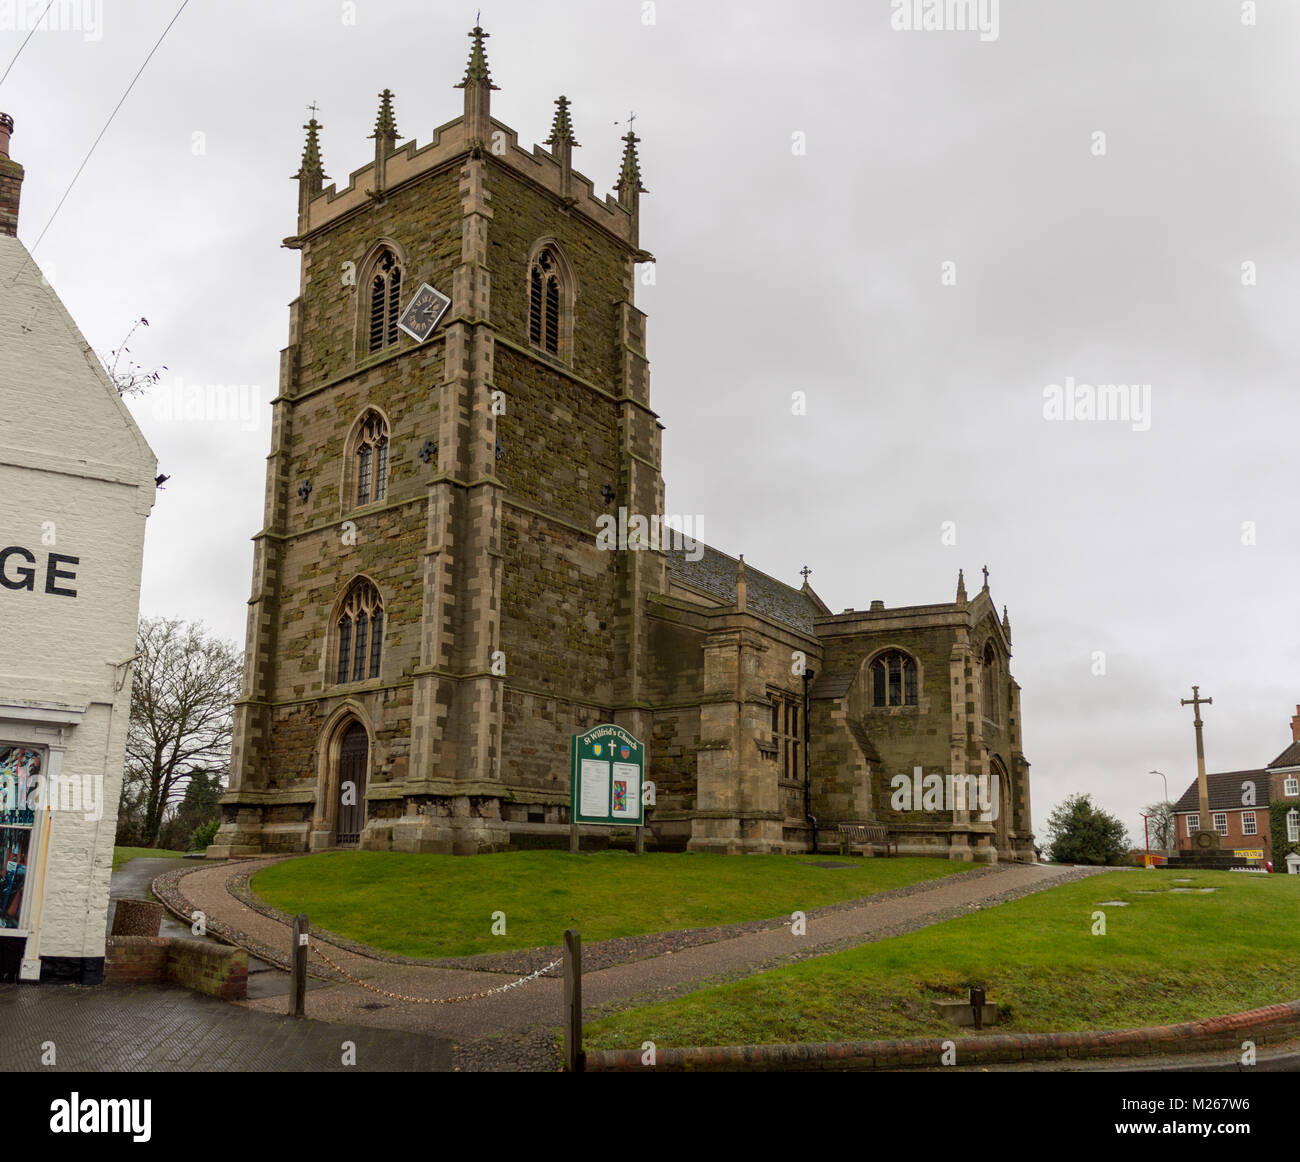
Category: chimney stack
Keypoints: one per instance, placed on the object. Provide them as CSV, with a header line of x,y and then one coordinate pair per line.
x,y
11,180
1295,726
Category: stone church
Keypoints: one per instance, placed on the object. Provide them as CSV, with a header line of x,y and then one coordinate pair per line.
x,y
464,396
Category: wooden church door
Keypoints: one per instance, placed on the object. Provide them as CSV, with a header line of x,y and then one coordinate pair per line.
x,y
353,758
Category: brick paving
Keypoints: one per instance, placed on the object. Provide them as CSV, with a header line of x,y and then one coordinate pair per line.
x,y
150,1028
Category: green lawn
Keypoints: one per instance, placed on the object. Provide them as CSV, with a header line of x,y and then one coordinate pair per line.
x,y
122,854
442,905
1167,957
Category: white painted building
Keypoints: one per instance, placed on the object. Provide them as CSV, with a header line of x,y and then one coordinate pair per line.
x,y
76,486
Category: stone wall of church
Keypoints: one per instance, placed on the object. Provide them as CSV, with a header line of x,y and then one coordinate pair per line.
x,y
521,215
425,223
535,759
841,785
557,608
903,736
402,388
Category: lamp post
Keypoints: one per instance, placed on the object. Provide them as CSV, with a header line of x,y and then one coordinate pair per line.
x,y
1173,823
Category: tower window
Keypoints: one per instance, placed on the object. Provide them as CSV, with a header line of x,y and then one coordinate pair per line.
x,y
893,680
370,447
989,683
545,302
385,301
360,625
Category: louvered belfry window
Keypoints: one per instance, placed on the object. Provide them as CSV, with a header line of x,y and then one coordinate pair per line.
x,y
360,633
385,301
371,449
544,303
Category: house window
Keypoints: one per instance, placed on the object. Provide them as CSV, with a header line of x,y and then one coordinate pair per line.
x,y
385,301
893,680
20,800
1291,787
1293,826
544,302
1221,822
1248,823
1193,824
360,634
370,447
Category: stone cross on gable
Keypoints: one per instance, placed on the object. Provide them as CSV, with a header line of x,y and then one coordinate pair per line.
x,y
804,574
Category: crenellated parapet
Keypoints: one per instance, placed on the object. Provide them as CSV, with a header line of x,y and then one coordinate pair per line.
x,y
475,134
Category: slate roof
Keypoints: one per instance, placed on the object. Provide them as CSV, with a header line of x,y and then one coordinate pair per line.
x,y
715,574
1225,792
829,684
1289,757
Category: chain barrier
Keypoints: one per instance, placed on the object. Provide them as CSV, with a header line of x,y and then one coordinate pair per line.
x,y
431,1000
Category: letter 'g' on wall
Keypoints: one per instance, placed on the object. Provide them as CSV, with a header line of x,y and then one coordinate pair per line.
x,y
18,571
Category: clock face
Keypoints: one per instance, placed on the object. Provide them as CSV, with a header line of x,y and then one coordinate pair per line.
x,y
423,312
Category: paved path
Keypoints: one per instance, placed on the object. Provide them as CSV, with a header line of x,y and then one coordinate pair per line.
x,y
148,1028
131,882
533,1009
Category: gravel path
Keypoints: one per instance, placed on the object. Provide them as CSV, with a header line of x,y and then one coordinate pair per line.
x,y
516,1029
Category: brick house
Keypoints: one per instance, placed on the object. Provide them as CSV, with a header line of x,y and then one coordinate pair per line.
x,y
436,608
1241,804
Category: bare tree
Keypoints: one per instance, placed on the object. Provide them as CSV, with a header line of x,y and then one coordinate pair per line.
x,y
1161,825
182,699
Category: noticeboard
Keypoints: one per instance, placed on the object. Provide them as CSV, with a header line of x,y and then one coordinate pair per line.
x,y
607,770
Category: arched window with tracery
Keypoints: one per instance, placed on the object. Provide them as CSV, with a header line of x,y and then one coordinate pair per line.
x,y
989,676
370,453
360,630
385,300
546,301
893,679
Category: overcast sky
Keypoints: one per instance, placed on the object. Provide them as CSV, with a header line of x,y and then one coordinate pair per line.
x,y
811,169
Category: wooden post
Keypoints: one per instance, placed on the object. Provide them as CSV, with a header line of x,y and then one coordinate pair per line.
x,y
573,838
573,1056
640,841
298,974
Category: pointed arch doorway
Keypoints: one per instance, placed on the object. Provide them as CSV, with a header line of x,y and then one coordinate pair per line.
x,y
354,759
1002,824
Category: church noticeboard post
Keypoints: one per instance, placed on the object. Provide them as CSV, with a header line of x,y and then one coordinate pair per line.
x,y
608,766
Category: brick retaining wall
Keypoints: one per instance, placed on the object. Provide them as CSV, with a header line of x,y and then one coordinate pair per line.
x,y
215,969
1273,1023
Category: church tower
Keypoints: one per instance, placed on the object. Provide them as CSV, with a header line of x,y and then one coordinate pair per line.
x,y
464,393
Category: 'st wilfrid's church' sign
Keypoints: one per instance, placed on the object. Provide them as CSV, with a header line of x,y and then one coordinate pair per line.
x,y
608,766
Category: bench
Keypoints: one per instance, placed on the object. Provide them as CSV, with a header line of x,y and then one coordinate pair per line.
x,y
863,834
